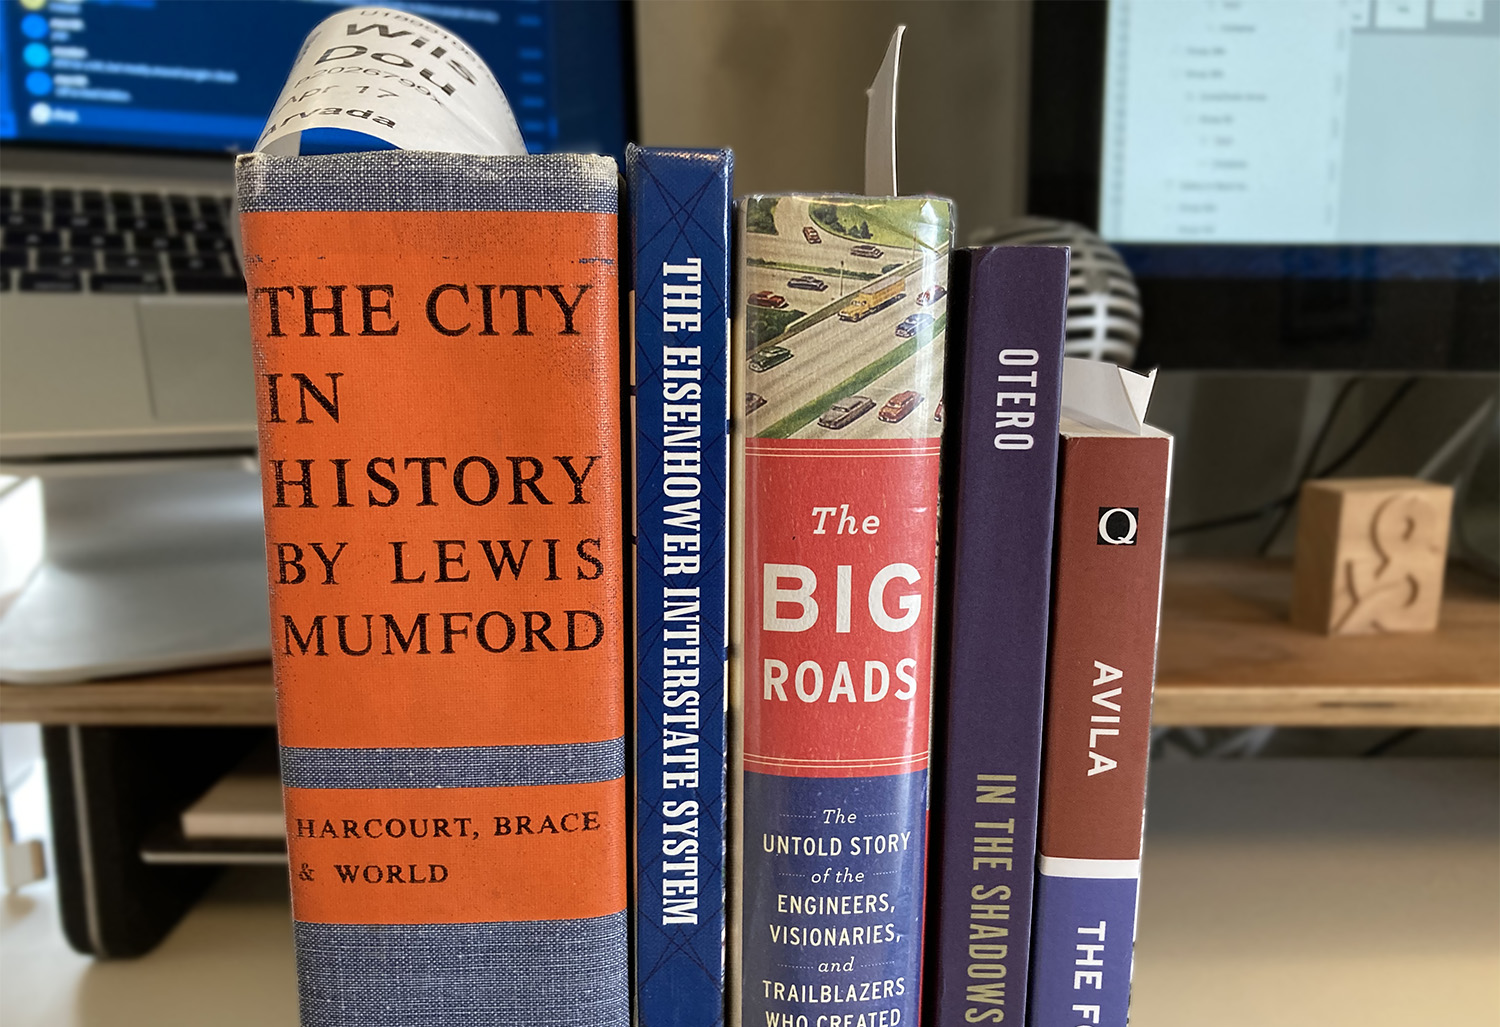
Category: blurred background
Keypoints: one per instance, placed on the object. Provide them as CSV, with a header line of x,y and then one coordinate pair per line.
x,y
1007,125
1306,197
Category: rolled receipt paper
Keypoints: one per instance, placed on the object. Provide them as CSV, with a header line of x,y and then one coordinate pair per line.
x,y
372,78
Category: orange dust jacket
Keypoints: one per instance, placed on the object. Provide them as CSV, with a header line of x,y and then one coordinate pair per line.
x,y
437,364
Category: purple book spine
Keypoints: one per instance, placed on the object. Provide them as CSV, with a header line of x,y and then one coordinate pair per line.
x,y
1003,477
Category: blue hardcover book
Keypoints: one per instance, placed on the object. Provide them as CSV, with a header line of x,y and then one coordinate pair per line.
x,y
680,209
1012,302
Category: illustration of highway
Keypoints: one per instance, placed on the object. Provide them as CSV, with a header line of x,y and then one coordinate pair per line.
x,y
845,309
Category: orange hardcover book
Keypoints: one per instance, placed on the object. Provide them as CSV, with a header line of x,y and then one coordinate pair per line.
x,y
437,361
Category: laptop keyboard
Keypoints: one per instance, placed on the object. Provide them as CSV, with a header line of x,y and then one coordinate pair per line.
x,y
90,240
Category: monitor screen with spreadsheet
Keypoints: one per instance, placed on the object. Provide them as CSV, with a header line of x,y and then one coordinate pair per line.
x,y
1342,121
203,74
1293,184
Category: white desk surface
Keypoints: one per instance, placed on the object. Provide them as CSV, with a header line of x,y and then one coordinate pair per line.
x,y
1294,893
1277,893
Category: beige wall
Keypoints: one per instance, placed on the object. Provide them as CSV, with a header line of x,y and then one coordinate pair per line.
x,y
783,83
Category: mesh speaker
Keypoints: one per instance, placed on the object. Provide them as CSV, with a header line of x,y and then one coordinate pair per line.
x,y
1104,308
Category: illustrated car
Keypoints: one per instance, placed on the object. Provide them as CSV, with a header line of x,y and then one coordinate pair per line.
x,y
768,357
931,296
864,249
811,234
869,301
807,282
766,298
754,401
898,406
912,325
846,411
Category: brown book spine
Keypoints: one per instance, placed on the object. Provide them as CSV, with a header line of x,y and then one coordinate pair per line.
x,y
1111,523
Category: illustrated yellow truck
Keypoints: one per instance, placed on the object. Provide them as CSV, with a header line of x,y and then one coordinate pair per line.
x,y
870,300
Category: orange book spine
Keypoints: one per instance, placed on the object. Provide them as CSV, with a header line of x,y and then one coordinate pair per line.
x,y
437,364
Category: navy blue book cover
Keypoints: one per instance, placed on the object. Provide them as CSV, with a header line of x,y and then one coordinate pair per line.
x,y
680,210
1000,481
1085,936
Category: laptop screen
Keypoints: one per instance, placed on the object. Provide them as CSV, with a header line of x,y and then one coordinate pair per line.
x,y
203,74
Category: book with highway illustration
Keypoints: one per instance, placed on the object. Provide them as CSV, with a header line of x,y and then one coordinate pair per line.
x,y
839,416
680,203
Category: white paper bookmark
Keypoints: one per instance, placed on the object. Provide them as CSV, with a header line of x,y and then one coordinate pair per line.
x,y
880,123
396,77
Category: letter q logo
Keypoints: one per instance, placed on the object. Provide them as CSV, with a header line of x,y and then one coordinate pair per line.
x,y
1118,524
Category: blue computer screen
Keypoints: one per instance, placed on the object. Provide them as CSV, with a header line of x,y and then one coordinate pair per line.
x,y
203,74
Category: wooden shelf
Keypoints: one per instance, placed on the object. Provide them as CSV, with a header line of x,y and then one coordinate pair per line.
x,y
225,696
1228,657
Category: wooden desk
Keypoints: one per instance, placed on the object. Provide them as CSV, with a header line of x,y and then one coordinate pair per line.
x,y
1299,893
1228,657
225,696
1319,893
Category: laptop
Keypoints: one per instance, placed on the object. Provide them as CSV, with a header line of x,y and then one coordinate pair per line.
x,y
124,330
125,360
122,308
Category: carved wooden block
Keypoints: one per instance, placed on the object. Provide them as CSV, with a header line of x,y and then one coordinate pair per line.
x,y
1370,555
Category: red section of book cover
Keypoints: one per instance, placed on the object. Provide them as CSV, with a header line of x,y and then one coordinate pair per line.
x,y
474,466
550,852
839,606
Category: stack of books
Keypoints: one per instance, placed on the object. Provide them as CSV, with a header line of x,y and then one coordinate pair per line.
x,y
687,610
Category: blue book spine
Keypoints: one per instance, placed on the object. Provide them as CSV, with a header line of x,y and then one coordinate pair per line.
x,y
680,220
1085,932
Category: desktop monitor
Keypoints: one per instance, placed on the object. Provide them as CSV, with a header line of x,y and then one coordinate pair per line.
x,y
1294,185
